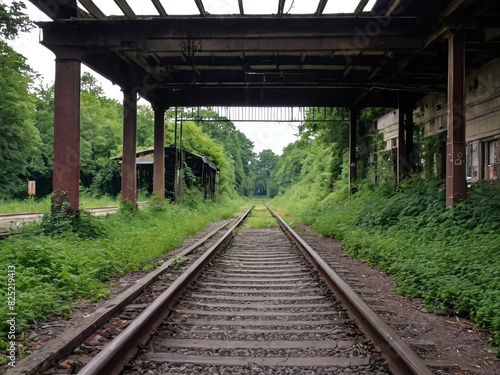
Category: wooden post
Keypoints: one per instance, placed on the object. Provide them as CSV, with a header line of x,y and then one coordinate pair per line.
x,y
129,168
66,173
159,155
456,187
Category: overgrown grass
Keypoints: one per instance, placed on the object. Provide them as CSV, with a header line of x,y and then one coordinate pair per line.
x,y
448,257
260,217
10,206
52,271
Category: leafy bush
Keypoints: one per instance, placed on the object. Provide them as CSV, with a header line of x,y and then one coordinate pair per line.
x,y
447,257
62,219
73,259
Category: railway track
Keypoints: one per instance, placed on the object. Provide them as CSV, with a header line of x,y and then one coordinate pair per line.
x,y
260,301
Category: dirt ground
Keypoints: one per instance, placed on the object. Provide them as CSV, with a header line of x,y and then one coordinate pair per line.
x,y
454,341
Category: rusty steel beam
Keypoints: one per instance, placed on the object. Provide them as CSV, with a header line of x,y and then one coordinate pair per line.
x,y
57,9
114,34
321,7
452,6
126,9
392,8
456,187
201,8
129,168
93,9
289,44
361,6
159,154
159,7
66,173
281,6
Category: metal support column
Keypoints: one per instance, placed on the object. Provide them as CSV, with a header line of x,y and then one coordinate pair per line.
x,y
409,144
159,155
66,174
352,148
129,168
456,187
401,159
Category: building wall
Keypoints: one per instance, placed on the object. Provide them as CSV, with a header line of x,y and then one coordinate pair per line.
x,y
482,98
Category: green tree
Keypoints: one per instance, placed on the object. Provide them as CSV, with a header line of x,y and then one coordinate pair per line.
x,y
41,158
238,148
266,163
13,20
145,127
101,132
18,134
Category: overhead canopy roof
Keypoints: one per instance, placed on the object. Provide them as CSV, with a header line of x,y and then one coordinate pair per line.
x,y
214,55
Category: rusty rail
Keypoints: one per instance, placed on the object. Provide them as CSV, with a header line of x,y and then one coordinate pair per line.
x,y
73,337
113,357
402,360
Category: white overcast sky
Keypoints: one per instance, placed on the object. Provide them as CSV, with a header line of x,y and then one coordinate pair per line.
x,y
272,136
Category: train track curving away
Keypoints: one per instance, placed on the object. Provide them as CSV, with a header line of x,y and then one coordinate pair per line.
x,y
257,301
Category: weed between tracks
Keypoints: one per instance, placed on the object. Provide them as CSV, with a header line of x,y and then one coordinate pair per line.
x,y
52,271
260,218
450,258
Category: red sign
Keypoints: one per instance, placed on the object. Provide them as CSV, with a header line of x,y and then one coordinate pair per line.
x,y
31,187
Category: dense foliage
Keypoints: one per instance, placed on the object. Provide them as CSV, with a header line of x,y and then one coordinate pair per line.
x,y
49,277
449,258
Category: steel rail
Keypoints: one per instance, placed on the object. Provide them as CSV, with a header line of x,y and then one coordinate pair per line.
x,y
402,360
115,355
74,336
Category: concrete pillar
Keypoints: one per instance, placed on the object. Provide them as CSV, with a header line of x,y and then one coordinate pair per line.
x,y
159,155
129,168
352,147
456,187
66,174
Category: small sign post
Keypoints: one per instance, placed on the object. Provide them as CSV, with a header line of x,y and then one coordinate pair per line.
x,y
31,191
31,187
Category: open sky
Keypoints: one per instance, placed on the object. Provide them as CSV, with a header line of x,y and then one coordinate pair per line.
x,y
272,136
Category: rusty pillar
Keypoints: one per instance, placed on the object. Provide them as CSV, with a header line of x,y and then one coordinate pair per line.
x,y
129,169
352,148
159,155
66,174
456,187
